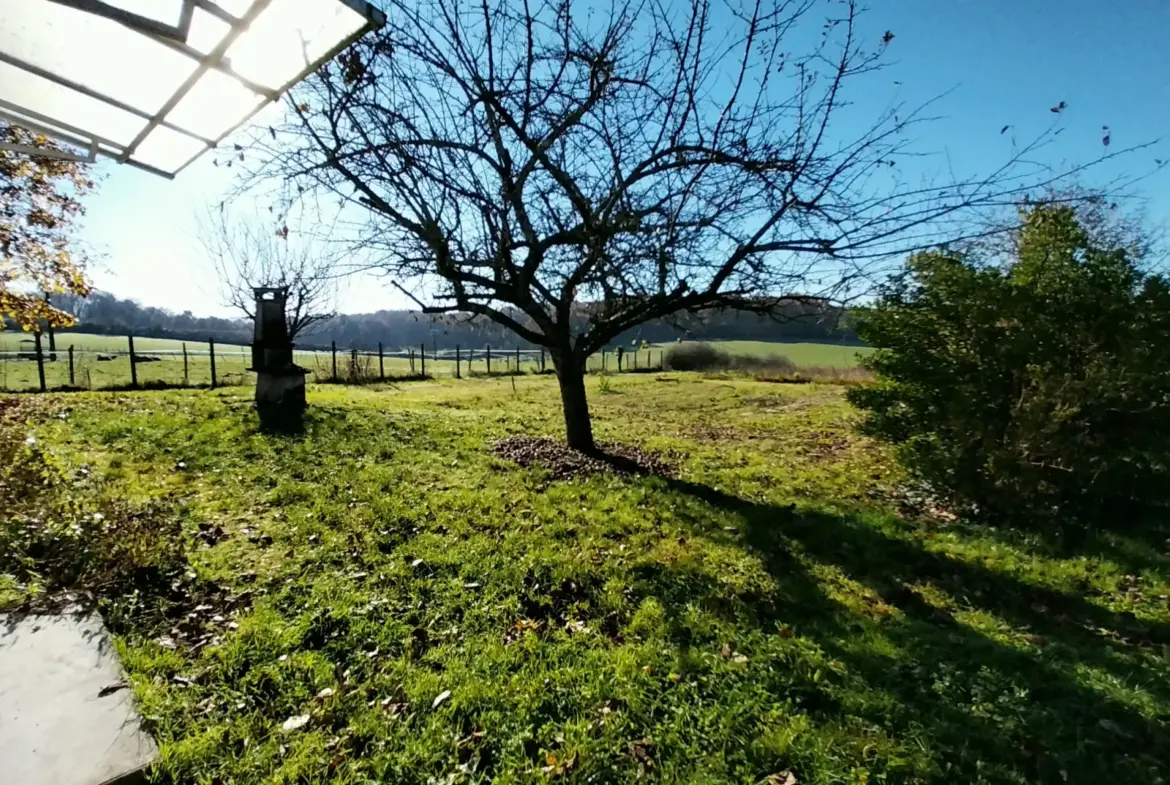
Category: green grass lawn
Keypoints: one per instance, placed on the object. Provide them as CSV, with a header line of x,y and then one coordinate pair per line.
x,y
379,599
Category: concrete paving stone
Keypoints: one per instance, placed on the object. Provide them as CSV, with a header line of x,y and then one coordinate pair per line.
x,y
66,714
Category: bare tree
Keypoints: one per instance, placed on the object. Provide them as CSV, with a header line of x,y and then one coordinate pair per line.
x,y
248,252
571,169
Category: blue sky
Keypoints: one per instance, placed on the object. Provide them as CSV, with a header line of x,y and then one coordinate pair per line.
x,y
999,62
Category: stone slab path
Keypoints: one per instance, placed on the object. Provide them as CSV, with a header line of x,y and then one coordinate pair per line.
x,y
66,715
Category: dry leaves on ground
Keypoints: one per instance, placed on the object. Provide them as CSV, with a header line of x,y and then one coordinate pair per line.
x,y
564,462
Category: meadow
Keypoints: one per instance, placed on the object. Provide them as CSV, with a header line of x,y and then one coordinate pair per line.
x,y
11,340
381,598
232,361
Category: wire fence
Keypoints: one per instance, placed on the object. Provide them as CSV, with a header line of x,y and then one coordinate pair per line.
x,y
117,364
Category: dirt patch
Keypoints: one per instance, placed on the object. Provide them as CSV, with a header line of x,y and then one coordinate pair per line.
x,y
720,433
564,462
824,444
7,406
774,404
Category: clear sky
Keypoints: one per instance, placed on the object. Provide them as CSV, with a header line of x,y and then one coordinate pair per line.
x,y
999,62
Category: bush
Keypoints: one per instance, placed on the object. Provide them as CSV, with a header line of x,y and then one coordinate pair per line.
x,y
705,357
696,357
1036,392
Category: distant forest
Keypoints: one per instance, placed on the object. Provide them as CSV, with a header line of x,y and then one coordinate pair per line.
x,y
105,313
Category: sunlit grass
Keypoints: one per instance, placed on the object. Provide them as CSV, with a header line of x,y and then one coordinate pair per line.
x,y
769,611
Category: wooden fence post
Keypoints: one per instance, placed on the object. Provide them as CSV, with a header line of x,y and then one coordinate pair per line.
x,y
410,354
489,359
133,363
71,382
422,358
635,360
603,360
211,354
457,360
333,351
40,360
542,359
186,378
381,364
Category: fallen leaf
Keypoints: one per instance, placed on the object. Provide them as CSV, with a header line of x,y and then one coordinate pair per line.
x,y
782,778
555,767
442,696
325,693
643,750
295,722
726,652
739,658
110,689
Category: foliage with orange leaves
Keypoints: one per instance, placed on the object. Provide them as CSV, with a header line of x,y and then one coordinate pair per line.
x,y
40,206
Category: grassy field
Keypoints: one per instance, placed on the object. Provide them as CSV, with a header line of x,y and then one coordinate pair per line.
x,y
380,599
11,341
232,361
90,372
17,375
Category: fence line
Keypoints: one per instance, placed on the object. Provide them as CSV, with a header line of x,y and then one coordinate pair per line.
x,y
193,364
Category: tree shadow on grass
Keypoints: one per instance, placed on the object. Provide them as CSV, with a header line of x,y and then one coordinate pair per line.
x,y
1142,545
1030,705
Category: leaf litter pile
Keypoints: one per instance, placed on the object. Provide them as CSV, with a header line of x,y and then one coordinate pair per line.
x,y
564,462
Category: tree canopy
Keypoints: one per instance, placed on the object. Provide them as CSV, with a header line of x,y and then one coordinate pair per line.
x,y
40,206
1034,388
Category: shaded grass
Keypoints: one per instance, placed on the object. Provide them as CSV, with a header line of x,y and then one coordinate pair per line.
x,y
765,612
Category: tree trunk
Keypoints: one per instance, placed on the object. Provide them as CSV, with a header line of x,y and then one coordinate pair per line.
x,y
571,376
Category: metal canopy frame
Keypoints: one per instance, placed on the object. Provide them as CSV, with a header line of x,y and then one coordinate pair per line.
x,y
174,37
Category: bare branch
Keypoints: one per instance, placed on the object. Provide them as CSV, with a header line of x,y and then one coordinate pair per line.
x,y
572,175
248,252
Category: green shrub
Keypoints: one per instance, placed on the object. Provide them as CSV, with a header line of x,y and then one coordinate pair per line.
x,y
1037,391
698,356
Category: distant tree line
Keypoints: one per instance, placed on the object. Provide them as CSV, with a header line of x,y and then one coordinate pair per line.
x,y
105,313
